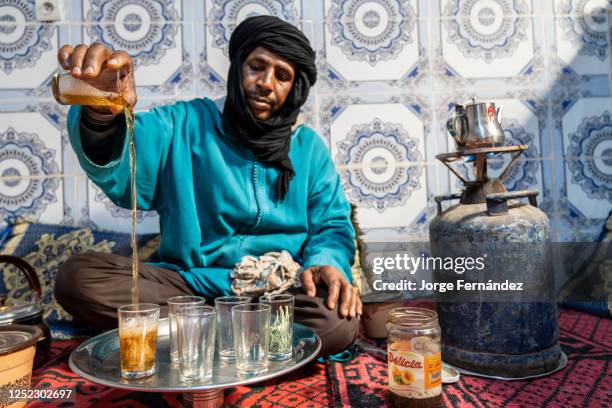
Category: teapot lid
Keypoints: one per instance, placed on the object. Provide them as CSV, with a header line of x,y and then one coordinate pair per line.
x,y
18,337
476,101
473,101
15,311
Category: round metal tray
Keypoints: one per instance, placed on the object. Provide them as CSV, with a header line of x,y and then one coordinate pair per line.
x,y
97,359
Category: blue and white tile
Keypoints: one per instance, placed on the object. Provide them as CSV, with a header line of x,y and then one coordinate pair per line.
x,y
589,185
230,13
491,44
134,13
370,41
583,158
56,115
100,213
380,150
579,44
309,114
588,8
584,126
390,209
487,9
31,168
222,17
586,196
28,48
312,10
161,47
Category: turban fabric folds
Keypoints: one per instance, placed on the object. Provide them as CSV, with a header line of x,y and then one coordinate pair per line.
x,y
269,139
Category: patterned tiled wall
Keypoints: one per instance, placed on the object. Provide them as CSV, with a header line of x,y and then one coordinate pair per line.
x,y
389,71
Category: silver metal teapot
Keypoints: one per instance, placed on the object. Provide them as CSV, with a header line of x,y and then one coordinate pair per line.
x,y
476,125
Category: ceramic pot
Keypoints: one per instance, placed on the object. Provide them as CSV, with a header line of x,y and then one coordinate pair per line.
x,y
17,350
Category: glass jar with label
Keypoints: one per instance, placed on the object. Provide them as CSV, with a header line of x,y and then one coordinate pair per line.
x,y
414,358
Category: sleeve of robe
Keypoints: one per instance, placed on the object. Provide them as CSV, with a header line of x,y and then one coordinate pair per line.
x,y
155,133
331,236
152,136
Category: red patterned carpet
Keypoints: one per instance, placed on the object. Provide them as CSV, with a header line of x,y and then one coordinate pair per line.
x,y
361,382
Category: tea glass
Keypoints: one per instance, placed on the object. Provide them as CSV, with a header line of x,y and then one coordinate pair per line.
x,y
251,323
224,306
138,339
196,342
174,304
281,325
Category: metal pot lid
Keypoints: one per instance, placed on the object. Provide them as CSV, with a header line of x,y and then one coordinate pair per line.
x,y
16,310
474,101
18,337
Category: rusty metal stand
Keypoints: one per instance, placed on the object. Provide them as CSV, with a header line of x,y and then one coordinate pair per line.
x,y
476,191
481,160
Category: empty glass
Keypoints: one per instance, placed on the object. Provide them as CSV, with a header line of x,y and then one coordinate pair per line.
x,y
224,323
138,339
251,323
196,342
174,304
281,325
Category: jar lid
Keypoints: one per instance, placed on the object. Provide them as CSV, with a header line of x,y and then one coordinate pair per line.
x,y
449,374
17,310
413,317
18,337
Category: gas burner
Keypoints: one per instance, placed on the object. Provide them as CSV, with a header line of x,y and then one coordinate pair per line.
x,y
476,191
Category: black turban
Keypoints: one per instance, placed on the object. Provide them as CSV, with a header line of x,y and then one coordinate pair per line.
x,y
269,139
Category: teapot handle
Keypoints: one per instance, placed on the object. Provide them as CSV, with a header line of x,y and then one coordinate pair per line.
x,y
451,126
28,271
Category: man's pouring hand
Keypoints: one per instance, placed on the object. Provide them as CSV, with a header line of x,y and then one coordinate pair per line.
x,y
337,285
99,65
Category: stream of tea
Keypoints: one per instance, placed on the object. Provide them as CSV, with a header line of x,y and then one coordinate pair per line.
x,y
113,100
129,123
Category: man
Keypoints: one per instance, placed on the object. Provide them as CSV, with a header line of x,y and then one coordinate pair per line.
x,y
225,183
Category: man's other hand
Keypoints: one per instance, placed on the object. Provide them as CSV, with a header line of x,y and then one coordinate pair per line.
x,y
338,286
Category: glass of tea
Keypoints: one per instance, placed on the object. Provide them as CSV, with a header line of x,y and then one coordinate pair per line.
x,y
138,339
103,90
174,305
281,325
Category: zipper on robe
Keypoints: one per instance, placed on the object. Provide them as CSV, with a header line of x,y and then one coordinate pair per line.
x,y
254,176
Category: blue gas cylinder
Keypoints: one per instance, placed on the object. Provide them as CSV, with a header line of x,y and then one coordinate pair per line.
x,y
507,335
